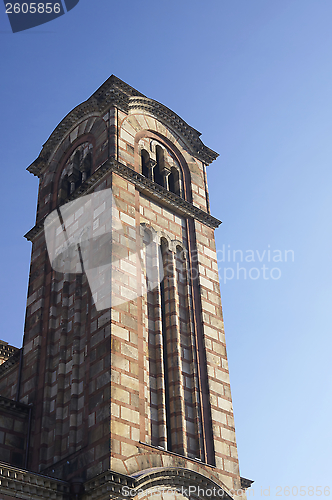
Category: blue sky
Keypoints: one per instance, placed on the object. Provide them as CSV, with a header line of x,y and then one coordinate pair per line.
x,y
255,77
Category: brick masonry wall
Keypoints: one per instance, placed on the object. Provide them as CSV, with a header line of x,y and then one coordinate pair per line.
x,y
66,373
93,130
6,497
8,381
216,356
210,302
128,383
136,126
13,436
77,358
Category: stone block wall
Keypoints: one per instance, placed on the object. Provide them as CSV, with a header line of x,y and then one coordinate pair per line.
x,y
9,372
95,374
14,428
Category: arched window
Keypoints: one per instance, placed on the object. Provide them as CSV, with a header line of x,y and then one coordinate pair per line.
x,y
145,163
77,169
86,166
188,361
158,178
174,181
174,405
163,170
164,292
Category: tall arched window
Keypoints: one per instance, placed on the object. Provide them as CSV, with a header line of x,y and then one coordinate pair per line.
x,y
188,359
158,177
160,166
174,181
145,163
86,166
77,169
158,381
175,418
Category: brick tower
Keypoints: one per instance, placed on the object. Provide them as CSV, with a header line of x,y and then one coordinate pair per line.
x,y
123,370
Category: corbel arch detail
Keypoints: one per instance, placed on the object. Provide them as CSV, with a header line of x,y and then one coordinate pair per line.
x,y
88,140
76,169
157,235
157,143
159,162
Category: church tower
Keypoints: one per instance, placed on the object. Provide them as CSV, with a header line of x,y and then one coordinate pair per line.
x,y
123,369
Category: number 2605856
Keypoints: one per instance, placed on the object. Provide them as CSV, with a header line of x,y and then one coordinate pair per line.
x,y
33,8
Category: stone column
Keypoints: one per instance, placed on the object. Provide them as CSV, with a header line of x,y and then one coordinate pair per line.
x,y
165,172
73,176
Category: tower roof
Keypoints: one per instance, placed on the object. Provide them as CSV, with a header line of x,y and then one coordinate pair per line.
x,y
115,92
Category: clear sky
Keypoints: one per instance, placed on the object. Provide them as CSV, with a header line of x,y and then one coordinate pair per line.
x,y
255,77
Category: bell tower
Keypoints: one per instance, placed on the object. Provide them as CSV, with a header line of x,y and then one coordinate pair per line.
x,y
124,360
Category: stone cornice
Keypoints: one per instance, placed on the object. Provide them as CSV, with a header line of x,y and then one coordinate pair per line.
x,y
108,482
24,484
166,116
9,404
11,361
115,92
176,477
165,197
146,186
115,484
246,483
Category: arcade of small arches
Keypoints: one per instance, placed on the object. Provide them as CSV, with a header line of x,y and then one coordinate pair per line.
x,y
158,165
77,170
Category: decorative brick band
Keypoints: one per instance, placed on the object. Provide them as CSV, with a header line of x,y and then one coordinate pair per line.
x,y
109,481
159,193
145,185
9,404
175,477
167,452
115,92
174,122
15,481
21,484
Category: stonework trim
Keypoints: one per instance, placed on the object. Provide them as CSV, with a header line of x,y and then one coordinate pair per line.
x,y
115,92
171,120
197,462
24,484
9,404
146,186
159,193
11,361
155,135
111,481
246,483
172,477
178,477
